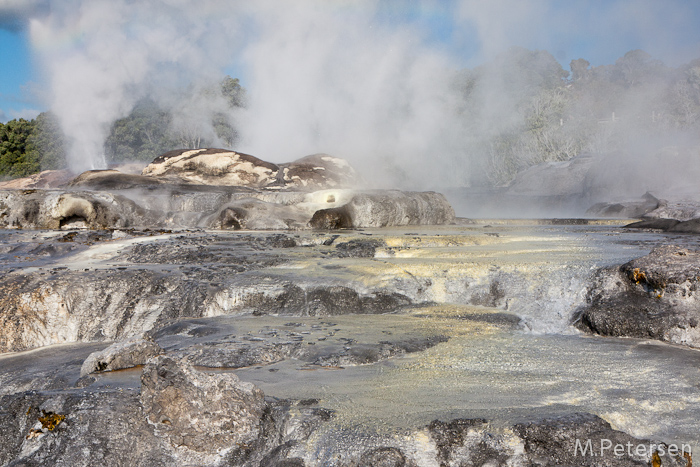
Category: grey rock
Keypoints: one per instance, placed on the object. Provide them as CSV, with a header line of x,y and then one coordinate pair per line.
x,y
625,209
254,214
238,356
124,354
384,457
659,224
691,226
650,297
42,209
386,208
319,171
553,442
200,412
371,353
98,428
359,248
111,180
163,206
678,209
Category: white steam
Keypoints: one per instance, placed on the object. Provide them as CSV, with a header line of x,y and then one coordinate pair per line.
x,y
101,56
332,77
344,85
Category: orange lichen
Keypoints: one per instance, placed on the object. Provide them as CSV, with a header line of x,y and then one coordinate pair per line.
x,y
51,420
655,459
638,276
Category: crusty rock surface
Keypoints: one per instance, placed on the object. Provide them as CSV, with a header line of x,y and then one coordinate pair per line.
x,y
655,296
319,171
124,354
625,209
213,167
111,180
171,207
217,420
205,413
381,209
224,167
43,180
40,209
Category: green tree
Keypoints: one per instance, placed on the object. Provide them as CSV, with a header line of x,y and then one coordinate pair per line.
x,y
142,135
47,143
15,161
233,92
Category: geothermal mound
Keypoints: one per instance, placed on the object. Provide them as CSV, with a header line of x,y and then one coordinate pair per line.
x,y
220,189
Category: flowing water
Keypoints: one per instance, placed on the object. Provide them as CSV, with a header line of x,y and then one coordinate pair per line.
x,y
543,367
474,282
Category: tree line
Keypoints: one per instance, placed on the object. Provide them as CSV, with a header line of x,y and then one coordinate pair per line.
x,y
28,146
559,114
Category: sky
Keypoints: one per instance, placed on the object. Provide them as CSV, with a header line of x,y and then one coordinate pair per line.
x,y
598,30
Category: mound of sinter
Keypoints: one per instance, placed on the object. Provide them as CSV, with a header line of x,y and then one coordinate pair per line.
x,y
655,296
219,189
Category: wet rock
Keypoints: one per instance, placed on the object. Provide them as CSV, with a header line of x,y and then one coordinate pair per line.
x,y
660,224
358,248
384,457
655,296
254,214
691,226
98,429
125,354
38,209
625,209
331,300
457,439
385,208
678,209
197,411
564,440
362,354
577,439
240,356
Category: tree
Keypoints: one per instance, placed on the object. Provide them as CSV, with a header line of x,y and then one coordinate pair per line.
x,y
15,161
579,69
47,143
142,135
636,67
233,92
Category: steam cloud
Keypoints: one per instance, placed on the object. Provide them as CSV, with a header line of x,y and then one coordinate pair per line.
x,y
331,77
101,56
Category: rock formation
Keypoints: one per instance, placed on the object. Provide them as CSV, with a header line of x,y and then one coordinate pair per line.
x,y
128,353
655,297
41,180
218,189
223,167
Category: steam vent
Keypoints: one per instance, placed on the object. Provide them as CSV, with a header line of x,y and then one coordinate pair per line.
x,y
218,189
